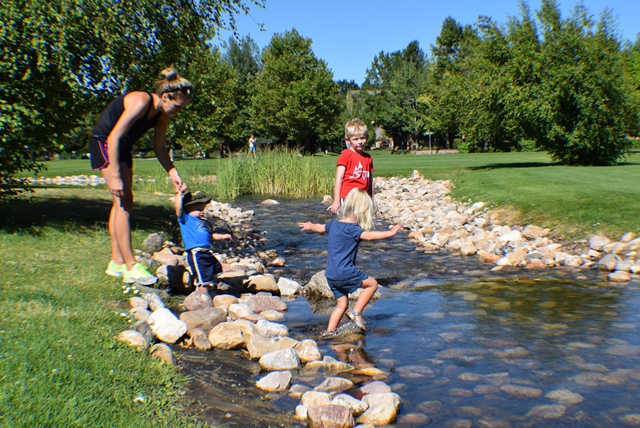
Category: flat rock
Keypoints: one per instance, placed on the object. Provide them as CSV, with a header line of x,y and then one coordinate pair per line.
x,y
551,411
565,397
275,381
205,319
375,387
521,392
272,329
284,359
259,345
329,416
334,385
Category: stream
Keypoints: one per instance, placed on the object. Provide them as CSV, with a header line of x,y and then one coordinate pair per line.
x,y
463,345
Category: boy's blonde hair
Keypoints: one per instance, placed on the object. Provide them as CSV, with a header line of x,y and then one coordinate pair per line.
x,y
355,127
358,204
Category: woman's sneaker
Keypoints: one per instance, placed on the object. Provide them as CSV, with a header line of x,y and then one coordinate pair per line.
x,y
114,269
139,275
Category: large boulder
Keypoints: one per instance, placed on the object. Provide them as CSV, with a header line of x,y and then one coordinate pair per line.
x,y
318,287
205,319
166,326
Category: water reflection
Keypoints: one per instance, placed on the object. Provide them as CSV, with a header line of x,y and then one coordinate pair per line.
x,y
462,345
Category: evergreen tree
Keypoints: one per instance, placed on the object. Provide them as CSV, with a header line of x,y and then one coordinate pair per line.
x,y
295,99
395,89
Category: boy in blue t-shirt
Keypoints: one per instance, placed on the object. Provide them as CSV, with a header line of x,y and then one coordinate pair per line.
x,y
197,237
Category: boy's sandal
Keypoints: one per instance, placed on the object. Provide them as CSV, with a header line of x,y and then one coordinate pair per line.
x,y
360,323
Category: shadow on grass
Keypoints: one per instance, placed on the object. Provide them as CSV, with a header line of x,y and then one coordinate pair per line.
x,y
534,165
512,165
70,213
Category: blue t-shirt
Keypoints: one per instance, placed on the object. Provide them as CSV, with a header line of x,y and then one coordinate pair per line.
x,y
342,250
194,232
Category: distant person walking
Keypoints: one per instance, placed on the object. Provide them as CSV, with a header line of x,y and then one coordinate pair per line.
x,y
252,145
121,124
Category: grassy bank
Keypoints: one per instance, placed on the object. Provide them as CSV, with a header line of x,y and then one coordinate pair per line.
x,y
573,201
60,363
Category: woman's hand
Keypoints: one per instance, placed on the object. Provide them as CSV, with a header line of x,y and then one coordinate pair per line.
x,y
117,187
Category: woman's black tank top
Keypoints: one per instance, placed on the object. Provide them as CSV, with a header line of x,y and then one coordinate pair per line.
x,y
110,117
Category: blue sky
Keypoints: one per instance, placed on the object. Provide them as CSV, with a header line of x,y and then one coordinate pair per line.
x,y
347,34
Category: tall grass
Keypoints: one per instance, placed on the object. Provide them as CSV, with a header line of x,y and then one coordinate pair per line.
x,y
277,172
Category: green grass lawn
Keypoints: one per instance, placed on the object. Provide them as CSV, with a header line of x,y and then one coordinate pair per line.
x,y
60,363
573,201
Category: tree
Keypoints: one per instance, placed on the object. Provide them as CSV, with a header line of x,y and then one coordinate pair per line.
x,y
396,85
589,102
296,100
199,128
449,84
243,56
61,61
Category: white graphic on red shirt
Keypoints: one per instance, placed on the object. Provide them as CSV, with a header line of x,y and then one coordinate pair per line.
x,y
358,172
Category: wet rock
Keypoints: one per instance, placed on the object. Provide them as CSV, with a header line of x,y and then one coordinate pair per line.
x,y
334,385
415,372
383,408
258,283
301,412
275,381
315,399
288,287
272,315
521,392
331,365
277,262
493,423
459,423
460,392
619,276
623,350
269,202
164,352
357,406
154,242
565,397
297,390
330,415
227,335
133,338
205,319
197,300
285,359
375,399
470,412
272,329
375,387
318,287
308,351
264,302
631,419
166,326
552,411
430,407
200,339
259,345
414,420
486,389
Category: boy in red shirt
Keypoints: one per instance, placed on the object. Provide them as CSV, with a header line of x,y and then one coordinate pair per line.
x,y
355,167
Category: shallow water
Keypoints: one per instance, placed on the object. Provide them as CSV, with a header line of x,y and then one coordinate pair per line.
x,y
462,344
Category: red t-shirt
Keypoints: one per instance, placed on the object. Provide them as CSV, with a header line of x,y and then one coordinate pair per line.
x,y
359,167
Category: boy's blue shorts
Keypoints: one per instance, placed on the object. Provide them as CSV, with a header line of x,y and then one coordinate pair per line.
x,y
204,265
342,288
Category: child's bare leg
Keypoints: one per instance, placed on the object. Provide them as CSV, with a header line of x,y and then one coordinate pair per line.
x,y
341,307
369,287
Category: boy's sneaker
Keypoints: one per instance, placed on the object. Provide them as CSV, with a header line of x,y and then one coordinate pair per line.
x,y
139,275
114,269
